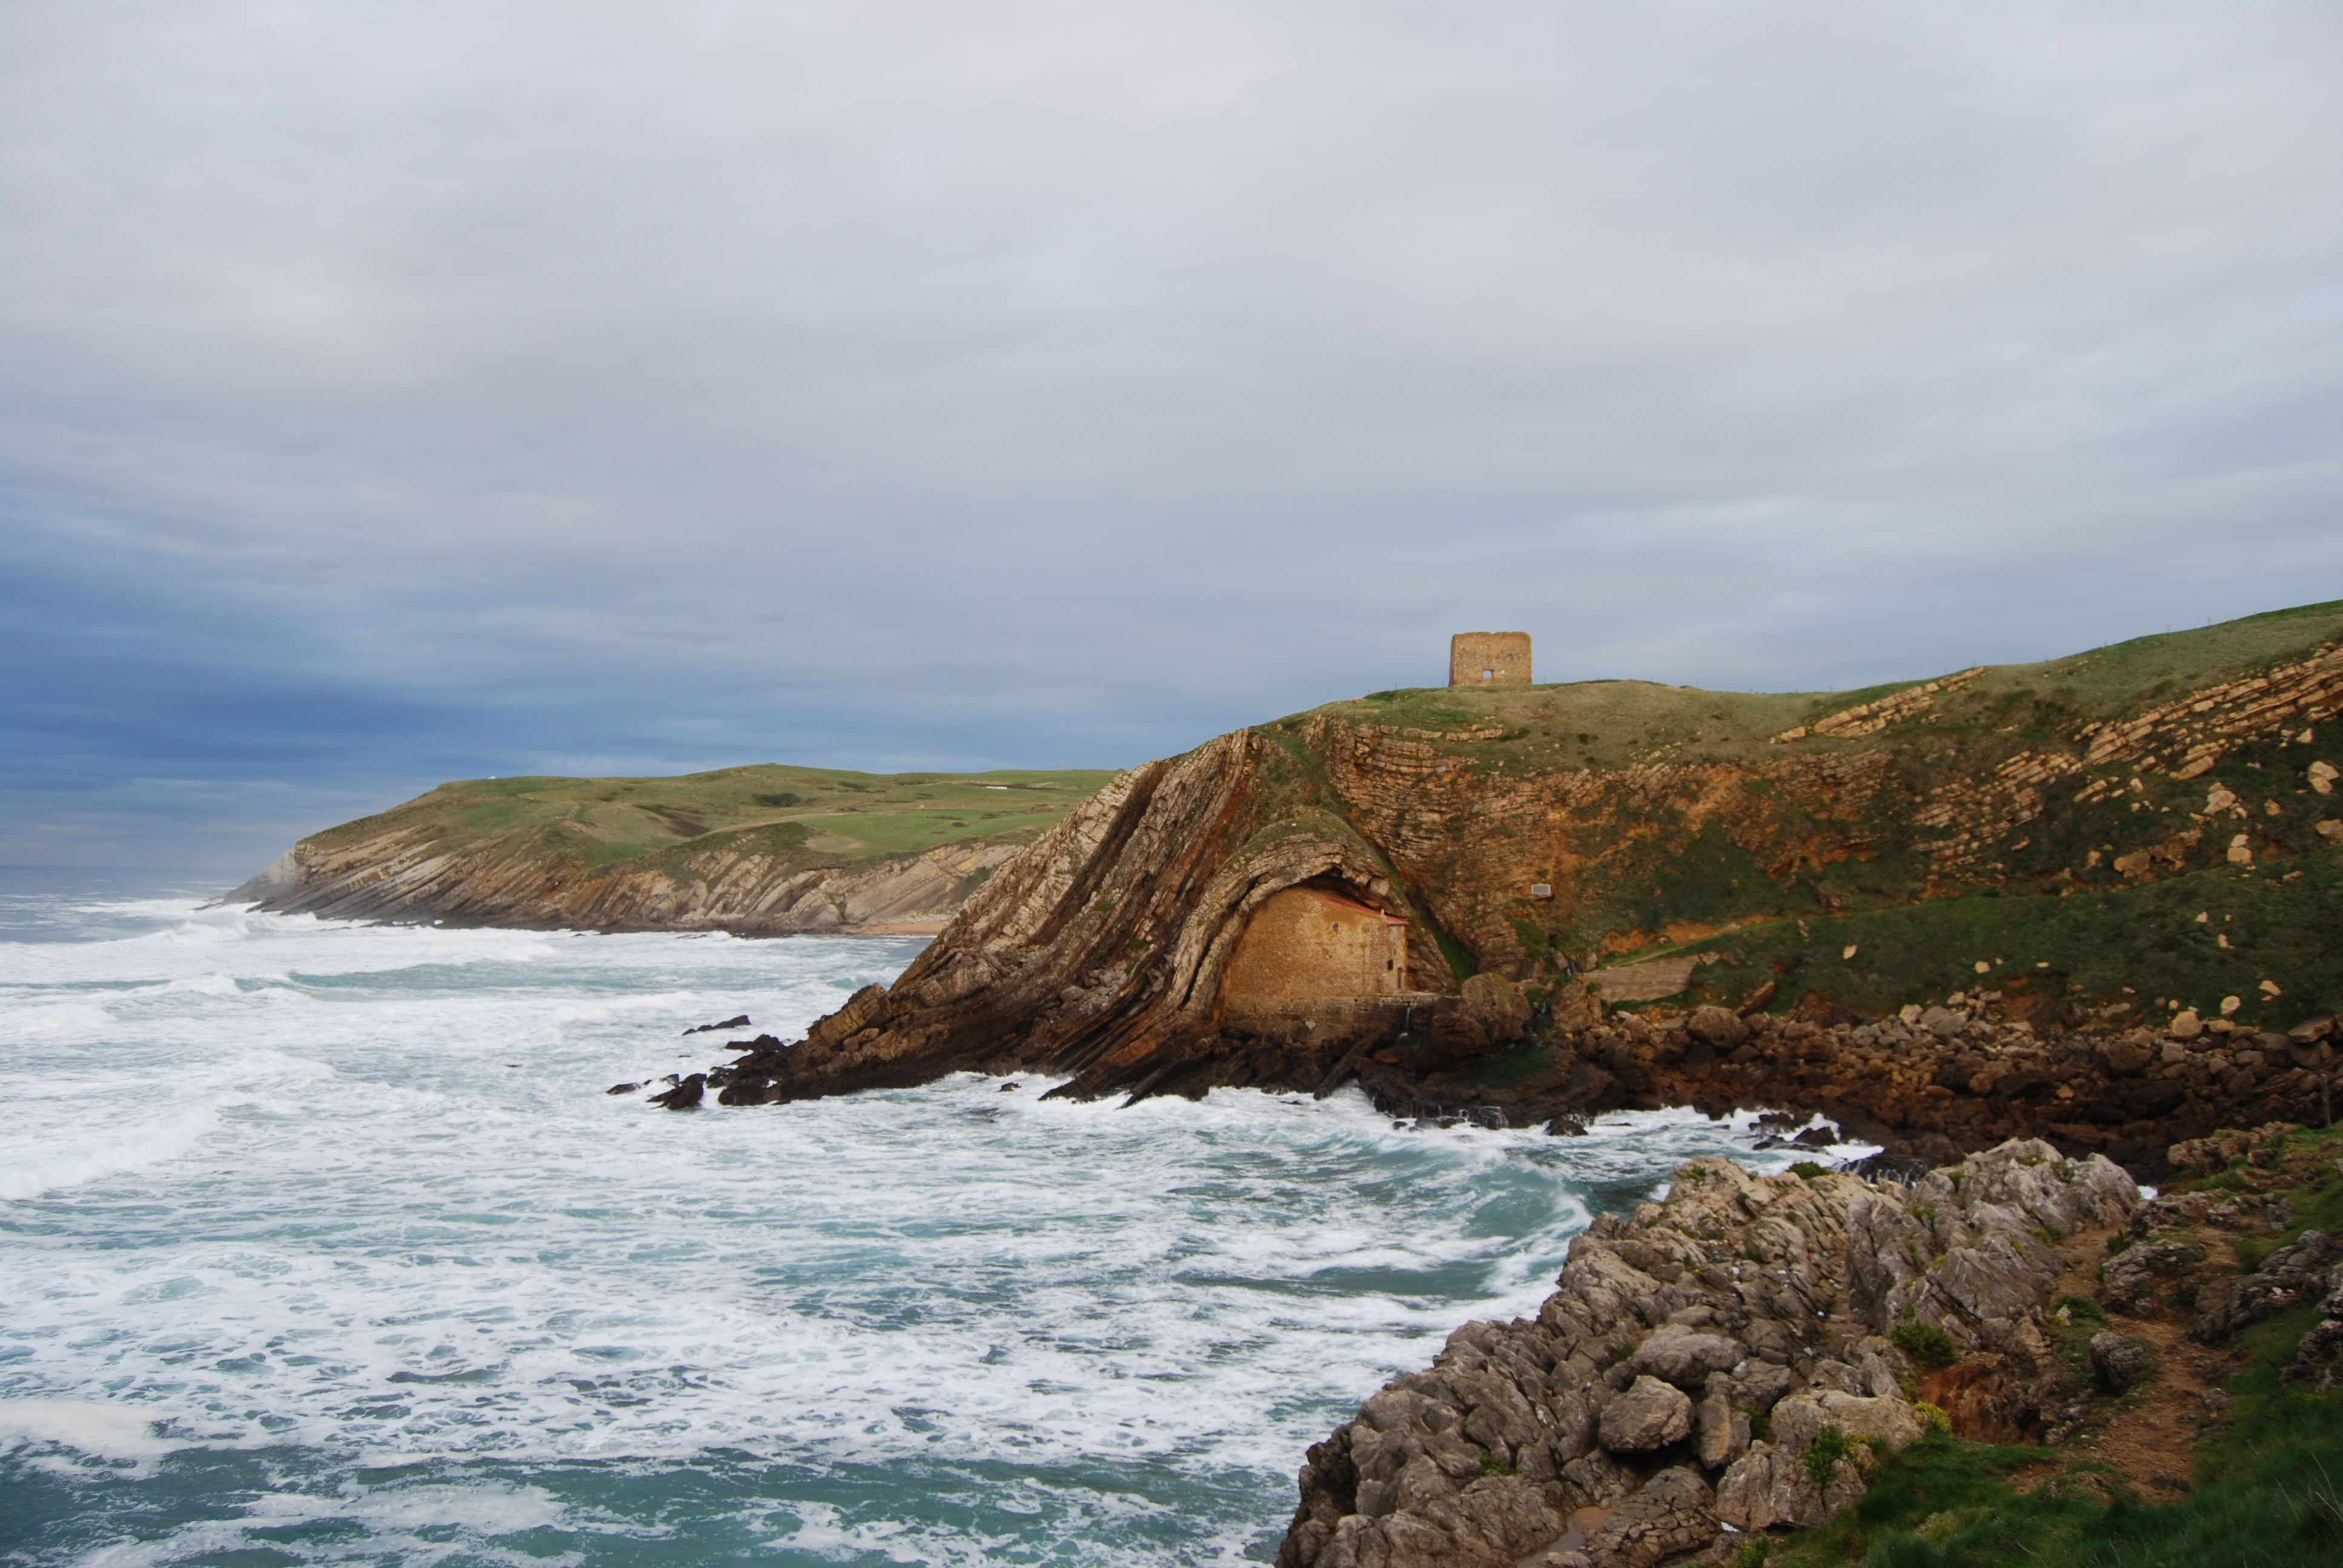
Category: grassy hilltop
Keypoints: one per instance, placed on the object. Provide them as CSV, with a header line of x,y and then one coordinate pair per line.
x,y
2061,823
807,816
762,850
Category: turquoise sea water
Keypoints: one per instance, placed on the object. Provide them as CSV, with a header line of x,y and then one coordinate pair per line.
x,y
321,1243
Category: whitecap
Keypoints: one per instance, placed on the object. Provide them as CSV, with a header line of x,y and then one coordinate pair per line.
x,y
91,1427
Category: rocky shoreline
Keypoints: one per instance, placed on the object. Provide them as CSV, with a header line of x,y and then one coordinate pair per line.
x,y
1735,1362
1928,1085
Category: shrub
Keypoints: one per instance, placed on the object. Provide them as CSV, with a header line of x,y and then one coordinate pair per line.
x,y
1934,1416
1925,1344
2081,1307
1807,1170
1830,1445
1493,1465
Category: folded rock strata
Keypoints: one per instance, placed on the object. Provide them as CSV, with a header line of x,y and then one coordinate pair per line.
x,y
407,873
1099,952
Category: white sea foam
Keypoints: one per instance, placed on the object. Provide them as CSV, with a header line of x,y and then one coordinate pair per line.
x,y
354,1193
91,1427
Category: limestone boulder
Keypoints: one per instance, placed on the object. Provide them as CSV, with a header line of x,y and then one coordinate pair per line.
x,y
1674,1512
1598,1478
1886,1423
1768,1487
1756,1385
1497,1006
1686,1356
1960,1251
1721,1431
2033,1178
1403,1541
2119,1361
1651,1414
1503,1514
2135,1277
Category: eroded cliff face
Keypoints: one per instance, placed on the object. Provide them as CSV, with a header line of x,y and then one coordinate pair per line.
x,y
407,873
1475,838
1097,952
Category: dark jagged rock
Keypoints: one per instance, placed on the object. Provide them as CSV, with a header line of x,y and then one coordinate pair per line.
x,y
684,1096
1928,1089
740,1022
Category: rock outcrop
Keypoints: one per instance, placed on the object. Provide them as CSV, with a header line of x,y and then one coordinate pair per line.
x,y
1098,952
1622,1426
1519,855
758,851
743,888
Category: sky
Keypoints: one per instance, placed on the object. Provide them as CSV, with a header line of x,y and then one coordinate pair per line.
x,y
393,393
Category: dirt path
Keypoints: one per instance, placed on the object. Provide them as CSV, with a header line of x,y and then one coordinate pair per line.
x,y
2150,1434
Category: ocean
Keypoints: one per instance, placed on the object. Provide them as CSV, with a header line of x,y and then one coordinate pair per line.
x,y
322,1243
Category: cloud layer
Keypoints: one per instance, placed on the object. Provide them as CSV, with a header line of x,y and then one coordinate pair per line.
x,y
394,393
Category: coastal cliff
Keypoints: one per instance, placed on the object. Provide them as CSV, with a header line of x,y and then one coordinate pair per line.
x,y
763,851
2095,844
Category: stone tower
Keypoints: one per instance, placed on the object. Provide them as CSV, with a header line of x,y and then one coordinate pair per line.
x,y
1489,659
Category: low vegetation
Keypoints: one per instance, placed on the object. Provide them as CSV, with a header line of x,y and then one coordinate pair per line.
x,y
812,815
2268,1488
1965,840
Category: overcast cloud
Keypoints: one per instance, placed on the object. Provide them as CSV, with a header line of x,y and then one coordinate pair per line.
x,y
398,392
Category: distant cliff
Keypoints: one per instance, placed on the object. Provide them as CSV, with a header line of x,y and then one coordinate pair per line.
x,y
2150,826
763,851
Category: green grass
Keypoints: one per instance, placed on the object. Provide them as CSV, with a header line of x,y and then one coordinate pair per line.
x,y
1637,864
2146,938
2126,677
2268,1494
2267,1491
807,816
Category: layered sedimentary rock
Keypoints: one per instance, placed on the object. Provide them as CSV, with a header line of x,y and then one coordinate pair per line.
x,y
765,849
735,884
1621,1427
1518,860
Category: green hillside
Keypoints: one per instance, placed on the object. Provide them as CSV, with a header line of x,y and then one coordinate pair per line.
x,y
812,815
2065,823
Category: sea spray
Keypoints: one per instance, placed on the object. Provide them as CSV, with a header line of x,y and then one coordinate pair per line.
x,y
323,1241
